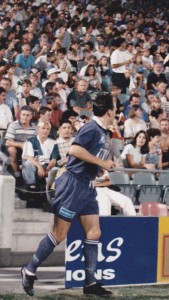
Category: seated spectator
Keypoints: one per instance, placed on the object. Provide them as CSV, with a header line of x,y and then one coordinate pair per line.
x,y
11,99
156,76
134,100
64,140
139,80
23,93
134,154
35,90
52,76
33,102
25,60
92,79
53,102
134,123
10,70
17,134
5,115
164,126
150,98
71,116
79,99
40,155
154,156
155,117
108,196
45,114
165,151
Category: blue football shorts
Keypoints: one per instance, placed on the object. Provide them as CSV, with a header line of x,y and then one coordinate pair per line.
x,y
73,197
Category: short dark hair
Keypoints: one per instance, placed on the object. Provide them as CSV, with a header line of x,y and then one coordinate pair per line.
x,y
2,90
102,104
31,99
152,132
51,96
134,95
63,121
27,108
44,109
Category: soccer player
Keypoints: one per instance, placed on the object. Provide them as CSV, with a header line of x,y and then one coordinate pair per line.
x,y
75,196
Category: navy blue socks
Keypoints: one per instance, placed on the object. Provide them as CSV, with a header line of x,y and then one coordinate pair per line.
x,y
45,248
90,254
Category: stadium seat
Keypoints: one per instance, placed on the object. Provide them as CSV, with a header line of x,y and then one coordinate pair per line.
x,y
153,209
143,178
148,193
122,180
123,98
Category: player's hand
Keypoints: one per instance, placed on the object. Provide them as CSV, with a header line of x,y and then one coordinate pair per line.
x,y
108,165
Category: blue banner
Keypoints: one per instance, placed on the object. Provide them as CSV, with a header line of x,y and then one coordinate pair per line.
x,y
127,252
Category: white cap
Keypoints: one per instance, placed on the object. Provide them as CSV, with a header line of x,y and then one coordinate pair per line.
x,y
52,71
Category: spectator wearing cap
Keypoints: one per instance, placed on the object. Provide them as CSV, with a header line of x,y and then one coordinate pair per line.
x,y
60,87
119,62
11,99
25,60
156,76
52,76
79,99
17,134
53,102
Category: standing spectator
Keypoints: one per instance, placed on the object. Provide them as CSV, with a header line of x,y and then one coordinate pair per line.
x,y
119,62
17,134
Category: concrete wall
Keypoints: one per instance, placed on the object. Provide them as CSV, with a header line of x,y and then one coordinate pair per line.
x,y
7,192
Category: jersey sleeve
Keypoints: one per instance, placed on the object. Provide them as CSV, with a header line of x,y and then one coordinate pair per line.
x,y
85,136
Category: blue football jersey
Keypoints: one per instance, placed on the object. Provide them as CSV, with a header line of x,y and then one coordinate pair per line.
x,y
94,139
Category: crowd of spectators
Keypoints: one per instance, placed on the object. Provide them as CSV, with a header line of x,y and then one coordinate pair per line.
x,y
56,56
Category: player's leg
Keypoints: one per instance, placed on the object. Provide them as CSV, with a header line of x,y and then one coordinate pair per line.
x,y
45,248
90,224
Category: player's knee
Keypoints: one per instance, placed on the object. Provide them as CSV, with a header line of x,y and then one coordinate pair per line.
x,y
94,234
59,234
